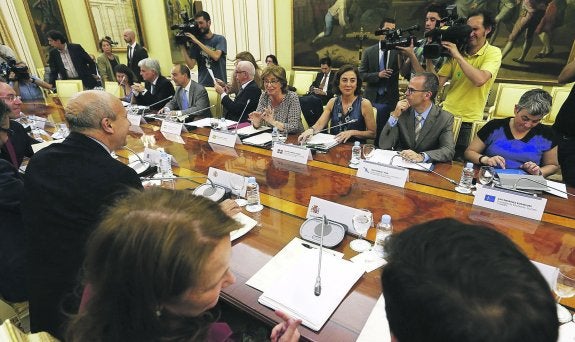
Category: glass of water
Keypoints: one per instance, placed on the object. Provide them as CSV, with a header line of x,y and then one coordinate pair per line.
x,y
215,123
368,151
282,136
361,223
486,174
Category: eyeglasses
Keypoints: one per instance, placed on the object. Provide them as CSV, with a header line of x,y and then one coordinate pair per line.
x,y
410,90
239,71
271,82
11,97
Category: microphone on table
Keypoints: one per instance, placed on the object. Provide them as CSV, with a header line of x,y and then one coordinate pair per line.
x,y
212,191
141,167
540,183
241,116
182,117
155,103
430,170
341,124
317,286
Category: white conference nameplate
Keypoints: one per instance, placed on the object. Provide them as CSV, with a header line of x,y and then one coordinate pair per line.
x,y
223,178
229,139
510,202
152,156
294,153
333,211
171,127
136,120
388,174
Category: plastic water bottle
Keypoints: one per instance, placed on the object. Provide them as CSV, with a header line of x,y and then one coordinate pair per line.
x,y
166,171
275,136
383,231
466,179
253,196
355,154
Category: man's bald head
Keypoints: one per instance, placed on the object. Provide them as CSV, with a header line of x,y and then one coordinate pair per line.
x,y
87,109
129,36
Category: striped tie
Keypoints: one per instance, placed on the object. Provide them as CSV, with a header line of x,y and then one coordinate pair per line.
x,y
418,125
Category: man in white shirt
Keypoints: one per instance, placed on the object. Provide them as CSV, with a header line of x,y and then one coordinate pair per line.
x,y
134,52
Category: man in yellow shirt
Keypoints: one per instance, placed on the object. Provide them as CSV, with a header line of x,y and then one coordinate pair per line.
x,y
471,75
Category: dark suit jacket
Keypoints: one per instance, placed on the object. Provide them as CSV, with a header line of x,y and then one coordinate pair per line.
x,y
66,187
435,137
236,107
163,89
83,64
330,86
21,142
12,237
369,69
197,99
138,54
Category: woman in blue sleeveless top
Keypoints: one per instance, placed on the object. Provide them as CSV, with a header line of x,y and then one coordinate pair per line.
x,y
350,115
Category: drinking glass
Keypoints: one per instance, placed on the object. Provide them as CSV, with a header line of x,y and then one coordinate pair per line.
x,y
368,151
486,174
361,223
215,123
237,182
564,287
282,136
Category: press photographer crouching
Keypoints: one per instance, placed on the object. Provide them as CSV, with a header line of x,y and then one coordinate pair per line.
x,y
27,86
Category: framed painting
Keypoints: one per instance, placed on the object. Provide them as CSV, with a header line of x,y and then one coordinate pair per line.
x,y
111,17
45,15
342,29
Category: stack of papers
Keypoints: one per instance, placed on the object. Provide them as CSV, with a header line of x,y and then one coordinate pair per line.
x,y
250,130
259,140
389,157
322,141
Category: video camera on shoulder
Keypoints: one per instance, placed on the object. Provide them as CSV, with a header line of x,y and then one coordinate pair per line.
x,y
188,26
455,31
395,37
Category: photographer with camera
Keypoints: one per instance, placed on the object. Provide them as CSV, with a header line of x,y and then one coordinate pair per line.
x,y
7,60
415,61
379,69
471,74
208,50
25,85
107,61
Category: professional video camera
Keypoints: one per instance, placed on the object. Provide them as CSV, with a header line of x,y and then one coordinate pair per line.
x,y
6,67
111,41
188,26
455,30
394,38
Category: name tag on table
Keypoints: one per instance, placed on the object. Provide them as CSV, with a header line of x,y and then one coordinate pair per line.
x,y
510,202
294,153
333,211
229,139
152,156
224,178
136,120
387,174
171,127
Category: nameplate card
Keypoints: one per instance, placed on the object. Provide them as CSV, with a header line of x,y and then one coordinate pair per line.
x,y
229,139
387,174
510,202
333,211
38,122
233,181
294,153
152,156
136,120
171,127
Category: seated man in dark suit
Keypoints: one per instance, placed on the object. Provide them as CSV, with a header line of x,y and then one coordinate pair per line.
x,y
248,91
13,286
191,98
320,92
66,188
446,281
69,61
418,128
157,90
16,142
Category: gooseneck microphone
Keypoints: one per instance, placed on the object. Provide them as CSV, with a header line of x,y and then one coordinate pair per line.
x,y
140,166
427,169
341,124
241,116
540,183
317,286
155,103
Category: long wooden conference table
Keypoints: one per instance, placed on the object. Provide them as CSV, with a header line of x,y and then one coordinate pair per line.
x,y
286,189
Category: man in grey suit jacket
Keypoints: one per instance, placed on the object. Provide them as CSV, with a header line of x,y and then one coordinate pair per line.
x,y
418,128
190,98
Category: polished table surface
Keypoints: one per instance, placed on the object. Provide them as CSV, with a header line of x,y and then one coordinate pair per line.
x,y
286,189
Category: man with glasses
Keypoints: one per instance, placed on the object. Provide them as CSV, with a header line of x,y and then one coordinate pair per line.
x,y
17,143
190,98
249,91
420,130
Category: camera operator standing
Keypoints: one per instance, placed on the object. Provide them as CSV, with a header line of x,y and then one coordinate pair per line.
x,y
471,75
208,51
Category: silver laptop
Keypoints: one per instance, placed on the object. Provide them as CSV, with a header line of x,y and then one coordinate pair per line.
x,y
523,182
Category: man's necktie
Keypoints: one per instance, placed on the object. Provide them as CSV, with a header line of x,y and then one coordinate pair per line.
x,y
322,83
152,89
129,52
418,125
185,103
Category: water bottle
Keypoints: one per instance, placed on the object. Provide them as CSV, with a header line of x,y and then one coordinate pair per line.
x,y
466,179
223,124
355,154
253,195
275,136
382,232
168,114
166,171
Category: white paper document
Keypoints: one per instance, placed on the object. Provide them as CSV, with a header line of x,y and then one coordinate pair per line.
x,y
297,298
205,122
250,130
554,186
376,328
247,224
393,158
322,140
259,140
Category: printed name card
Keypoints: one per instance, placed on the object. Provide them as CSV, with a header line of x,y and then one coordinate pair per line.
x,y
233,181
510,202
388,174
171,127
229,139
294,153
136,120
